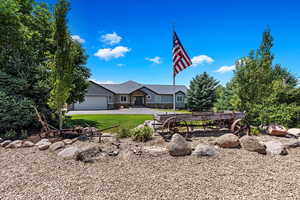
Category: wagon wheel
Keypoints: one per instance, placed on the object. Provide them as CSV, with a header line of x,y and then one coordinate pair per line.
x,y
173,125
221,124
240,127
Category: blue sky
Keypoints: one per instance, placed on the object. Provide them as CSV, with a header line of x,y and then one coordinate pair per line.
x,y
131,39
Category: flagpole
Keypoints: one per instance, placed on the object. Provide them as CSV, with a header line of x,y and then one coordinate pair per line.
x,y
174,90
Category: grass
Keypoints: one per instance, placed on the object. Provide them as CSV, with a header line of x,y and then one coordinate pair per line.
x,y
171,110
104,121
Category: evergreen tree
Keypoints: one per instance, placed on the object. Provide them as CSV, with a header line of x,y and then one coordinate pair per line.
x,y
62,67
202,93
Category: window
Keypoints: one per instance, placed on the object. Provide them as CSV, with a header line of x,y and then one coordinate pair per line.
x,y
148,97
109,99
180,99
123,98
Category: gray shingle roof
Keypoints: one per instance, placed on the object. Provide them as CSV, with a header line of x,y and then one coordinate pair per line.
x,y
131,86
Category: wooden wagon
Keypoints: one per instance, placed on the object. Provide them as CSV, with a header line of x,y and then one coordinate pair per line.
x,y
185,123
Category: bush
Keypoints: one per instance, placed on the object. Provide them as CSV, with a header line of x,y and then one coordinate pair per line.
x,y
141,134
10,135
16,113
123,133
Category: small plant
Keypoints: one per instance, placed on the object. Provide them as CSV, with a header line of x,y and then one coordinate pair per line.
x,y
141,134
10,135
256,131
123,133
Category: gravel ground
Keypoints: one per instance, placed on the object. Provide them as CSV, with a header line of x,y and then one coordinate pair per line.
x,y
233,174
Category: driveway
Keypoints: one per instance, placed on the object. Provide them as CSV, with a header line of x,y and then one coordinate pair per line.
x,y
133,111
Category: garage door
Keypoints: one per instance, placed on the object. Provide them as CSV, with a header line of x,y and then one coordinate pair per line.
x,y
92,103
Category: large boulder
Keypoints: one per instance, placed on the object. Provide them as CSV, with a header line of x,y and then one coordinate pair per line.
x,y
44,146
228,141
204,150
68,153
275,148
88,154
27,144
5,143
57,145
179,146
294,131
42,141
15,144
277,130
251,143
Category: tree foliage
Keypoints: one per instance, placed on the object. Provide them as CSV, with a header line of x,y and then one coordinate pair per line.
x,y
268,93
62,67
27,49
202,93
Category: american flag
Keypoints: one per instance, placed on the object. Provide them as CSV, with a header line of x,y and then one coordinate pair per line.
x,y
181,59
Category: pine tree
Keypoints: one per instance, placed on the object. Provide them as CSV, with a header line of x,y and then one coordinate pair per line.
x,y
62,67
202,93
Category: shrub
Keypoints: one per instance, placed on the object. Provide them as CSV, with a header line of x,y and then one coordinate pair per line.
x,y
123,133
16,113
141,134
10,135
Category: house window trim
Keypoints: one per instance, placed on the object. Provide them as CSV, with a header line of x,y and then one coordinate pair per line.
x,y
126,99
181,99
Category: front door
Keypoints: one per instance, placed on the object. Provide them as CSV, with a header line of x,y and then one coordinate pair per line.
x,y
139,101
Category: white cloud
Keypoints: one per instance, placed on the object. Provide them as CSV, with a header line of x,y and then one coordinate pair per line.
x,y
103,82
120,65
225,68
77,38
201,59
156,59
111,38
108,53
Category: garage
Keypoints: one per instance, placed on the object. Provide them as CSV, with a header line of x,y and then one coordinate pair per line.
x,y
92,103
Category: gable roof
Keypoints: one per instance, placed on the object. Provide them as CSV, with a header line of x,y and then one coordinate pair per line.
x,y
131,86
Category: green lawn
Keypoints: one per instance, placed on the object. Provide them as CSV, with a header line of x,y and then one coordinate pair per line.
x,y
105,121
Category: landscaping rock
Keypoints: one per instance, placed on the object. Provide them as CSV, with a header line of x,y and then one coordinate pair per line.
x,y
251,143
44,146
15,144
42,141
179,146
275,148
228,141
88,154
5,143
57,145
204,150
155,150
1,140
69,153
28,144
68,141
292,144
277,130
294,131
82,138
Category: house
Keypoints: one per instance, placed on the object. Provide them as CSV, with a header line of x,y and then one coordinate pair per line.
x,y
131,94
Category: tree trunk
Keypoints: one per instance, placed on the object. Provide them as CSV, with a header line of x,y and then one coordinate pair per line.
x,y
60,120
